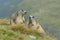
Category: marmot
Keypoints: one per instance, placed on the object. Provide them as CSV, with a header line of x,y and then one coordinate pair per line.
x,y
18,17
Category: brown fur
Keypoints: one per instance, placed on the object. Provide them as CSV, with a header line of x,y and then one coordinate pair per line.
x,y
17,18
36,26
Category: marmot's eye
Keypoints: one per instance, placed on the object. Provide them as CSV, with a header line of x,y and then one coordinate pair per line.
x,y
21,10
33,17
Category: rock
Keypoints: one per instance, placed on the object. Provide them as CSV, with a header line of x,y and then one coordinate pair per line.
x,y
32,37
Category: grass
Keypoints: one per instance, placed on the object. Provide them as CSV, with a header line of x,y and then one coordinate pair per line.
x,y
18,32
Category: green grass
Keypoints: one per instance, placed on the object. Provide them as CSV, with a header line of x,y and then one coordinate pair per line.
x,y
19,32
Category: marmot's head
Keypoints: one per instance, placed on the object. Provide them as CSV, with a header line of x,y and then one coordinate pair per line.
x,y
31,17
22,12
